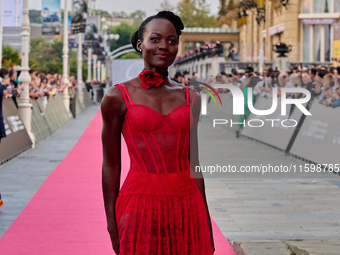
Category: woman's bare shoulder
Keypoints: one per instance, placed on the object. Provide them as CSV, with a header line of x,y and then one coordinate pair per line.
x,y
112,102
113,94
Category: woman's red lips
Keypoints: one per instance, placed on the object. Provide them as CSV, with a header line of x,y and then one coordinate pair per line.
x,y
163,55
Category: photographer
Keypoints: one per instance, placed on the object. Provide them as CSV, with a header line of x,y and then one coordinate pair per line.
x,y
2,126
7,89
16,88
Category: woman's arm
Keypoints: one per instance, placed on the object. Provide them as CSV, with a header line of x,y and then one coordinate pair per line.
x,y
193,157
113,116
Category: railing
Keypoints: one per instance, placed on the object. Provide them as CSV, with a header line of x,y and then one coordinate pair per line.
x,y
309,64
47,119
228,66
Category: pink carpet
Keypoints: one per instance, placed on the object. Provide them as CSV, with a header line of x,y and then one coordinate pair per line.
x,y
66,215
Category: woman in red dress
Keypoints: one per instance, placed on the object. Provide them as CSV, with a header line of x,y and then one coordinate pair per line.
x,y
161,208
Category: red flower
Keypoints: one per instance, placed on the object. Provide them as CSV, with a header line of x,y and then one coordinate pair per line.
x,y
150,79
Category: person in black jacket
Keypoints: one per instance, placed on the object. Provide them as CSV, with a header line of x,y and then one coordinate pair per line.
x,y
2,126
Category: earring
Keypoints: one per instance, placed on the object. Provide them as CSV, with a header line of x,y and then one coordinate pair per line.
x,y
140,50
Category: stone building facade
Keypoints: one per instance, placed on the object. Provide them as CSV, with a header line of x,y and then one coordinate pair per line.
x,y
307,25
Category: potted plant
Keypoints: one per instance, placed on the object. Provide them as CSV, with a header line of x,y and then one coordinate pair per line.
x,y
281,48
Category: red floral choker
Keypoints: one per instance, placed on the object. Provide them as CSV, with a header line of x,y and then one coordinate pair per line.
x,y
151,79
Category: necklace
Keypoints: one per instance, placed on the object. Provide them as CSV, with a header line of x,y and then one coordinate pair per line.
x,y
151,79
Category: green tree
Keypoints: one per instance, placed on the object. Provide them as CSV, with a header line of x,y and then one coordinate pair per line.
x,y
195,13
57,48
166,6
32,64
10,56
125,33
138,17
35,16
46,54
105,14
131,55
53,66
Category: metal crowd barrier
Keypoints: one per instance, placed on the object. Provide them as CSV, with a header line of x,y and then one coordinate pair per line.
x,y
315,138
46,120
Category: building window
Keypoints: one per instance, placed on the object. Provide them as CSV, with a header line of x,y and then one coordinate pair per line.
x,y
317,42
336,6
327,42
319,46
306,6
306,43
322,6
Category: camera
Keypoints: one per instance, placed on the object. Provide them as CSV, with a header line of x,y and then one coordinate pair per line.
x,y
14,92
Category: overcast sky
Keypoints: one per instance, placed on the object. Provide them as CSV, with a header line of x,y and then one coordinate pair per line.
x,y
128,6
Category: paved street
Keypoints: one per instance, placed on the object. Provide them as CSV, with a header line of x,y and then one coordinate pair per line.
x,y
267,207
245,206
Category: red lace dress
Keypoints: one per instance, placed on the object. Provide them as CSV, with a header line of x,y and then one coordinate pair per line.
x,y
159,208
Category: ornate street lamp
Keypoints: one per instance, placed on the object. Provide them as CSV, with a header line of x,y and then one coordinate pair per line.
x,y
239,19
244,17
261,11
260,8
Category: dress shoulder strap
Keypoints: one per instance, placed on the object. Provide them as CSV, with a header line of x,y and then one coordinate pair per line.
x,y
187,94
126,95
193,98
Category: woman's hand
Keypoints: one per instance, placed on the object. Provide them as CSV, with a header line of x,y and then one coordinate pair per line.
x,y
211,235
115,243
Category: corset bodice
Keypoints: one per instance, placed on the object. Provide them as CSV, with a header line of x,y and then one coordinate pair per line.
x,y
158,147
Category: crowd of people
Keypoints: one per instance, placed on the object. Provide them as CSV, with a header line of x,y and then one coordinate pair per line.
x,y
322,82
43,85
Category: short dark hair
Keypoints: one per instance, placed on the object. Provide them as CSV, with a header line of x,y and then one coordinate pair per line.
x,y
223,73
249,69
31,71
11,72
338,69
178,74
322,73
234,72
313,71
173,18
185,73
3,72
194,73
